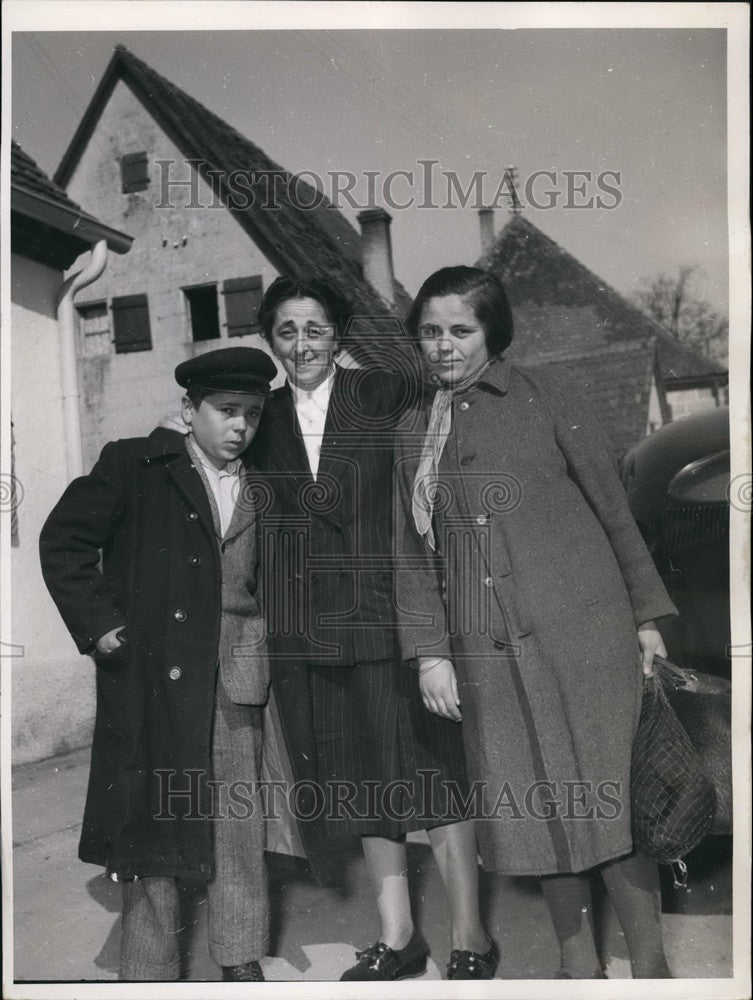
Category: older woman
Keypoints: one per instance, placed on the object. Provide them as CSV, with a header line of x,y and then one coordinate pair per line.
x,y
540,599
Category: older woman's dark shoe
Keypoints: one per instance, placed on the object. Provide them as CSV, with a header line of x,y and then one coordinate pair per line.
x,y
248,972
381,964
472,965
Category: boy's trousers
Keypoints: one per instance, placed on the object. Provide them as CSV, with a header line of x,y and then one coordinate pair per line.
x,y
238,903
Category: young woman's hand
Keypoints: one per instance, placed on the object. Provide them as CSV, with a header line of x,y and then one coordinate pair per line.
x,y
651,643
439,687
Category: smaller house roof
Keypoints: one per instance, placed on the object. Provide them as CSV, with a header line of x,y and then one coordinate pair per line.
x,y
681,364
27,175
46,224
561,307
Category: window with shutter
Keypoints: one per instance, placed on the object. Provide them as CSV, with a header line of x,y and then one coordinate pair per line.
x,y
242,300
134,172
130,321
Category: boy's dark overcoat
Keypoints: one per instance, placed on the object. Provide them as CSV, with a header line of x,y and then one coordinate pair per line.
x,y
146,508
542,582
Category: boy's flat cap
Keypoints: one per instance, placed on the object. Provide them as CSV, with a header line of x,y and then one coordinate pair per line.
x,y
231,369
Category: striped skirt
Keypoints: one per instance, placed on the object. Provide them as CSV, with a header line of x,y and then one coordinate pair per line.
x,y
385,764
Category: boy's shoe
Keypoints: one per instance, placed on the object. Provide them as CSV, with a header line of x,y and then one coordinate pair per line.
x,y
380,963
248,972
466,964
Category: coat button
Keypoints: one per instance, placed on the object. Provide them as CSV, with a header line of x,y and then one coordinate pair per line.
x,y
314,578
194,561
192,516
482,519
488,582
465,406
175,674
180,615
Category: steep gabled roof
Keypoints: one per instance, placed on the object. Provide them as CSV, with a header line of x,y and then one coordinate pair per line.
x,y
561,307
314,242
45,224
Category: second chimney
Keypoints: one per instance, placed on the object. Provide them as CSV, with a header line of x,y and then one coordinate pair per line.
x,y
486,222
376,251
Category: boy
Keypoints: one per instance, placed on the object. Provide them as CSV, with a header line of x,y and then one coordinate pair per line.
x,y
173,621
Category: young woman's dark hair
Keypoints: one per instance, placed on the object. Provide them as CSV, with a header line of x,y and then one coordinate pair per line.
x,y
487,296
336,306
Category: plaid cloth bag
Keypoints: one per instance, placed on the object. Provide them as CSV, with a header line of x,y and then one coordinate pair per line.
x,y
673,801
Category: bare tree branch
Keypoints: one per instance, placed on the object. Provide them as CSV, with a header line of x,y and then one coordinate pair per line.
x,y
677,303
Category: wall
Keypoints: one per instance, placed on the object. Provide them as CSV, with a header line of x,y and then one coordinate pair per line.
x,y
683,402
125,395
655,419
52,685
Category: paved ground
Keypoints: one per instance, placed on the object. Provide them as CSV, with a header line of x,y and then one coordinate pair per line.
x,y
67,924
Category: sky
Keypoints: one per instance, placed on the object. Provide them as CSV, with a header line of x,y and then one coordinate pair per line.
x,y
648,104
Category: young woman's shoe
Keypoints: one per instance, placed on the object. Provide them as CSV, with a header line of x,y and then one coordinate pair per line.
x,y
380,963
465,964
248,972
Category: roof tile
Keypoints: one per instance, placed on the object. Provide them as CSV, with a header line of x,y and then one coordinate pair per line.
x,y
26,175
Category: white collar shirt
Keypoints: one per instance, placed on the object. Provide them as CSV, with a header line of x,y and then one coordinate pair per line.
x,y
311,409
224,485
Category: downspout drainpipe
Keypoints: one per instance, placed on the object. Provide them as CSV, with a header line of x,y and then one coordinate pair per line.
x,y
68,366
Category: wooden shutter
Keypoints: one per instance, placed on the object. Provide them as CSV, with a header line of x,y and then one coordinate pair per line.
x,y
242,300
134,172
130,322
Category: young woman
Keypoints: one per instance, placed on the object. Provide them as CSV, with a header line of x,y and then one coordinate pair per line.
x,y
542,597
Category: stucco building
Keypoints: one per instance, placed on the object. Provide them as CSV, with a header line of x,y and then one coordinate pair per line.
x,y
214,222
52,690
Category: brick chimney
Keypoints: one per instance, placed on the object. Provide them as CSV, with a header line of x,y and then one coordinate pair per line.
x,y
376,251
486,222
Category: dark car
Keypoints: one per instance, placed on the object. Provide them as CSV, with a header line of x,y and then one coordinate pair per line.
x,y
677,481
